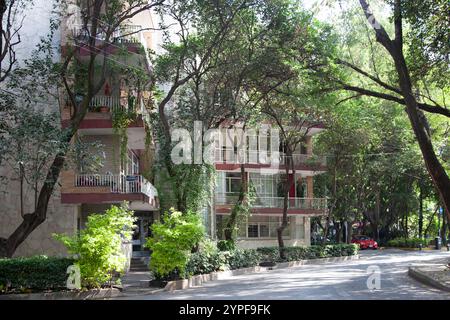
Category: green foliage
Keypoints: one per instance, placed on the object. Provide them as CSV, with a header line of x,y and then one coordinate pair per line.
x,y
35,273
172,240
204,262
189,187
242,258
226,245
98,246
407,243
120,121
271,254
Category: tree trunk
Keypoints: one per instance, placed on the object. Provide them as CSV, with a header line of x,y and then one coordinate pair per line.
x,y
420,212
232,221
437,172
32,220
288,185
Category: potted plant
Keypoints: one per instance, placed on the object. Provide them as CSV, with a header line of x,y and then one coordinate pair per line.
x,y
104,109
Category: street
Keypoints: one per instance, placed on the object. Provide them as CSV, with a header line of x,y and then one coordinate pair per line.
x,y
344,280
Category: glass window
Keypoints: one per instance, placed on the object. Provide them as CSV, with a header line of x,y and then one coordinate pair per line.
x,y
262,227
233,183
264,231
252,230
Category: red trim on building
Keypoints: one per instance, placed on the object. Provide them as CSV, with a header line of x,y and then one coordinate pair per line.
x,y
236,166
277,211
77,198
102,124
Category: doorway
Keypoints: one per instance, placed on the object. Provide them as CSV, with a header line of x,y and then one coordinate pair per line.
x,y
142,232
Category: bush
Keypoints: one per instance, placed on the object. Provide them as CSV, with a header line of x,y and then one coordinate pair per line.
x,y
242,258
208,259
226,245
272,254
206,262
407,243
98,247
171,243
35,273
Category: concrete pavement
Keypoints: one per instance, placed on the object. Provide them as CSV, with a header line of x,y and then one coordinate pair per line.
x,y
335,281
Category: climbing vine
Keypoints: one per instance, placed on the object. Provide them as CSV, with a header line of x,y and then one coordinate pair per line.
x,y
120,121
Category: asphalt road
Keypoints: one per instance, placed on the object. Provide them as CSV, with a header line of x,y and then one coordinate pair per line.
x,y
336,281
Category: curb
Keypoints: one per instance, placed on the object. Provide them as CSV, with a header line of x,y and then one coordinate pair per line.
x,y
68,295
198,280
420,276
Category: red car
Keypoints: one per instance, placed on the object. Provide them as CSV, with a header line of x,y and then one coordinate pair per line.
x,y
365,242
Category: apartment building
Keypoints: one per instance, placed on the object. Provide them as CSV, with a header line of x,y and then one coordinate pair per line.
x,y
259,229
123,176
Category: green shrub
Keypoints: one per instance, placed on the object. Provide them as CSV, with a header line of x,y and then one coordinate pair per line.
x,y
242,258
171,242
226,245
204,262
208,259
312,252
35,273
98,247
407,243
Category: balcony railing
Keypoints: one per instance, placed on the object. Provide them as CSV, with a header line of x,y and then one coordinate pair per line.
x,y
114,103
229,155
117,183
277,202
101,101
123,34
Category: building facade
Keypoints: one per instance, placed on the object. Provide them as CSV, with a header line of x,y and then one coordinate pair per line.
x,y
267,181
124,172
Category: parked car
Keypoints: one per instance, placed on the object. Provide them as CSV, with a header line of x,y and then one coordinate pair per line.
x,y
365,242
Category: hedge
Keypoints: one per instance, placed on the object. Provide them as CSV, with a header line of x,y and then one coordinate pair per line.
x,y
36,273
407,243
272,254
204,262
207,262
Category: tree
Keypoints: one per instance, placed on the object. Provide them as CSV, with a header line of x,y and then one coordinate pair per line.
x,y
192,56
99,19
10,25
411,89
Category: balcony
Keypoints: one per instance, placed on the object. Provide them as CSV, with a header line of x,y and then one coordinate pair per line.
x,y
123,34
111,104
101,110
108,188
130,36
117,183
224,157
277,202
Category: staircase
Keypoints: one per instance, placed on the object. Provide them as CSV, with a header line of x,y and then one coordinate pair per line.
x,y
139,276
139,264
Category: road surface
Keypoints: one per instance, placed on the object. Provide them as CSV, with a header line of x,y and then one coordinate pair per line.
x,y
343,280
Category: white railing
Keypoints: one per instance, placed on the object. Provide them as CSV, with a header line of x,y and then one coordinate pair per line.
x,y
276,202
110,102
117,183
123,34
229,155
114,103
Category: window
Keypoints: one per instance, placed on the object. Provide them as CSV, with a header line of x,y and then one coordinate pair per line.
x,y
262,227
302,189
233,183
252,231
